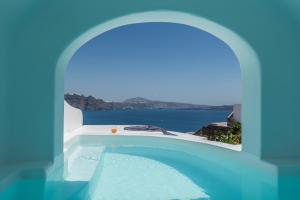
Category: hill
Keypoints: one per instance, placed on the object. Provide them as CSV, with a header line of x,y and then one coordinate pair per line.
x,y
90,103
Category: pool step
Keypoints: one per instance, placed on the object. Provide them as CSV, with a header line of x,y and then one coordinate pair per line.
x,y
82,163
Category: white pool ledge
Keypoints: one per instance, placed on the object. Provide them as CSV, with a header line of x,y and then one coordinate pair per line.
x,y
106,130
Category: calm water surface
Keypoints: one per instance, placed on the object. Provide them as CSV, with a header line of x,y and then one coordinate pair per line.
x,y
149,168
173,120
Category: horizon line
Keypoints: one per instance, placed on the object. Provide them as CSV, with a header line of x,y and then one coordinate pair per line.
x,y
149,99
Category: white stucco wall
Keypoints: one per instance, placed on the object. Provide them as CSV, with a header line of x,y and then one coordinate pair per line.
x,y
73,118
237,108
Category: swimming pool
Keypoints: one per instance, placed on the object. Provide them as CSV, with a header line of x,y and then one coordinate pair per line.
x,y
141,167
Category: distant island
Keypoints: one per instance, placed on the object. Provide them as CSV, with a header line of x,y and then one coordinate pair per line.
x,y
90,103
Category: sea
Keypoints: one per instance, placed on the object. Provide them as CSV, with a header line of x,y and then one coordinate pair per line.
x,y
186,121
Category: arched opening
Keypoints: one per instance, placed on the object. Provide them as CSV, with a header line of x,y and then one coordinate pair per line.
x,y
246,56
168,76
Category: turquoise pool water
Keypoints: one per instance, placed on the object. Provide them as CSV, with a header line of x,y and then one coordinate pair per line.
x,y
129,168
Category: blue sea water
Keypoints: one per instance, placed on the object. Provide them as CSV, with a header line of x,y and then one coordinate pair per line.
x,y
173,120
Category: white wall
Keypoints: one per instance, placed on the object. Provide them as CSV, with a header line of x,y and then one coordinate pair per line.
x,y
73,118
237,108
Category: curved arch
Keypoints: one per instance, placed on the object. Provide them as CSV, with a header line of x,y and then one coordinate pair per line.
x,y
249,63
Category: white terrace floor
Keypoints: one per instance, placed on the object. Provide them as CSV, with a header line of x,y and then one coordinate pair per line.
x,y
106,130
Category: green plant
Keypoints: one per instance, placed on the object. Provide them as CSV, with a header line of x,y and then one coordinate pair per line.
x,y
236,128
233,136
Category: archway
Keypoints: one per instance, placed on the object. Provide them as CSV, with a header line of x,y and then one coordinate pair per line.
x,y
248,60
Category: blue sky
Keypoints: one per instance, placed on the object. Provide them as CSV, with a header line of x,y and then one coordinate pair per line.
x,y
159,61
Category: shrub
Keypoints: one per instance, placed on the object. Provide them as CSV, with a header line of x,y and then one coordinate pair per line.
x,y
236,128
233,136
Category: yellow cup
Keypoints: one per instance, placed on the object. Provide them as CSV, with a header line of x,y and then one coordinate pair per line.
x,y
114,130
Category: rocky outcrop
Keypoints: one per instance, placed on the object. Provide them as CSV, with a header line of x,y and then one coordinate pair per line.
x,y
90,103
222,132
212,129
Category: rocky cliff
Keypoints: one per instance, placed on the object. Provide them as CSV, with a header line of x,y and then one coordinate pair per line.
x,y
90,103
